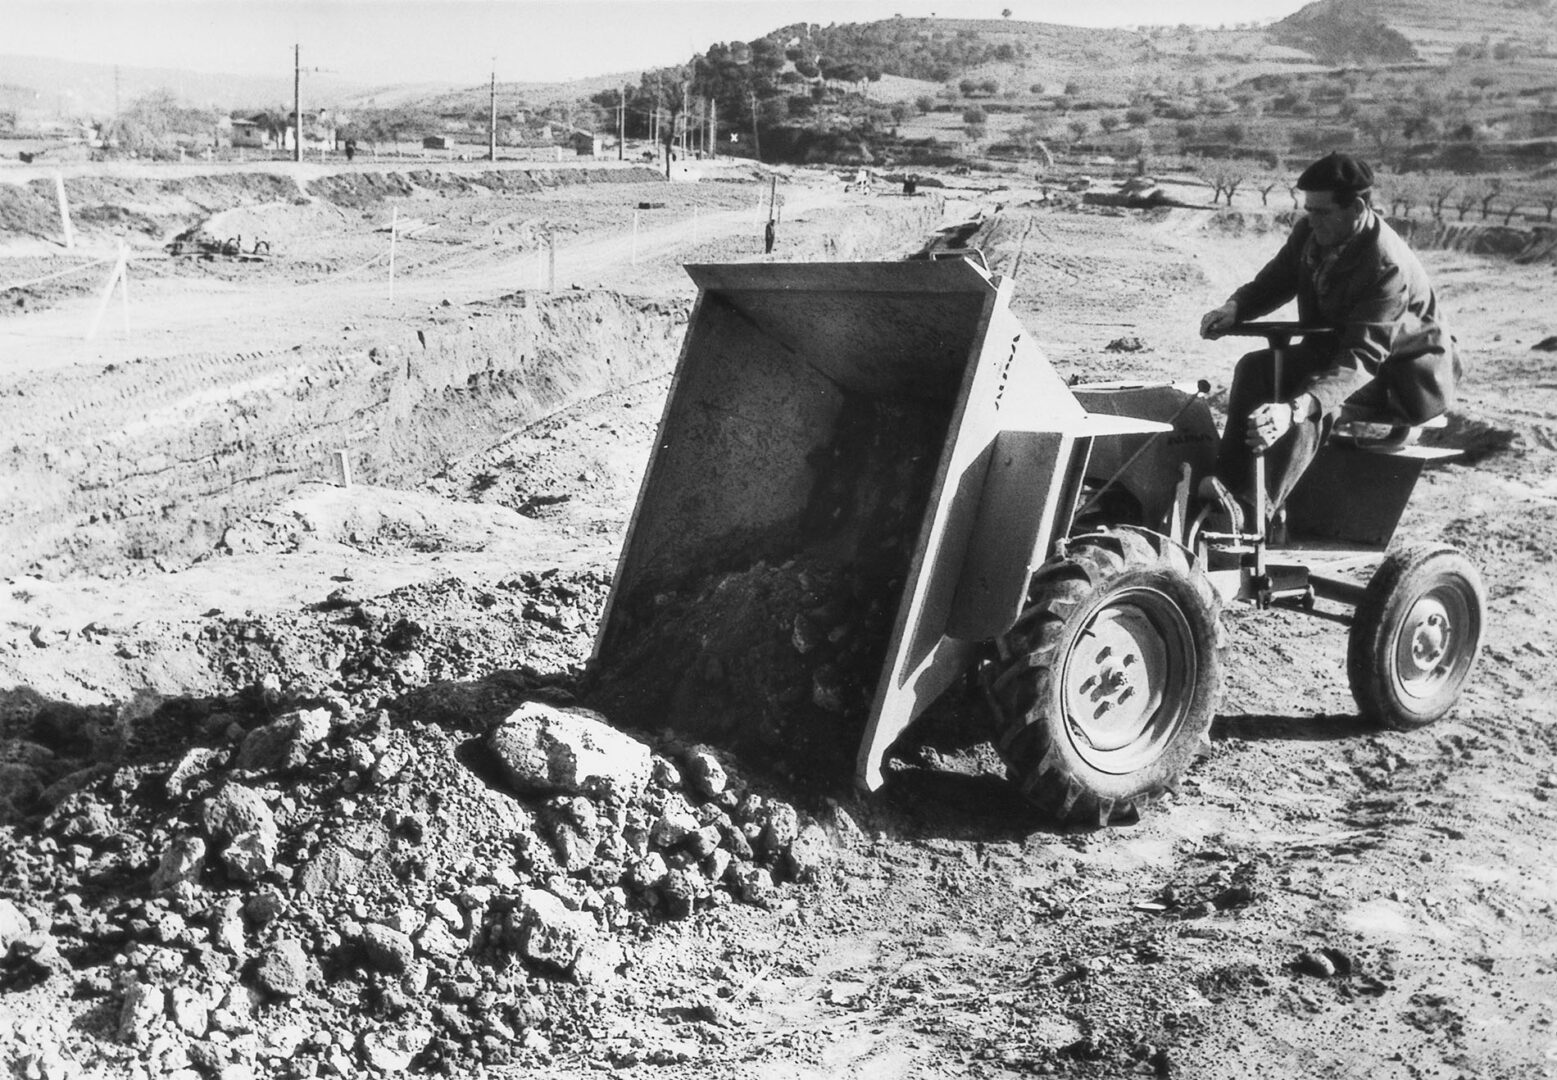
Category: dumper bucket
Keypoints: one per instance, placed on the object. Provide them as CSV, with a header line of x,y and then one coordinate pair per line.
x,y
798,575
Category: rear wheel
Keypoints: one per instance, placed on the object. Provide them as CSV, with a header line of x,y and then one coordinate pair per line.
x,y
1415,635
1110,678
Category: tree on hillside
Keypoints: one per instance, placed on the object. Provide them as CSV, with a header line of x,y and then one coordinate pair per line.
x,y
1078,129
1548,199
1440,189
924,103
1265,185
1489,190
1109,123
1465,196
1225,176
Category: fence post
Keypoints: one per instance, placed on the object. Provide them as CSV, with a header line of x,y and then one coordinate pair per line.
x,y
343,468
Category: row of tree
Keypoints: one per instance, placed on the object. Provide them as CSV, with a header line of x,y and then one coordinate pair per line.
x,y
1402,194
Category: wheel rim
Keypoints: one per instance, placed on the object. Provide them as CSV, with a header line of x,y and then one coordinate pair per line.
x,y
1435,642
1128,680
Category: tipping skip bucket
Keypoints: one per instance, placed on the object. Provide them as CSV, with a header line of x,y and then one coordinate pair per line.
x,y
798,576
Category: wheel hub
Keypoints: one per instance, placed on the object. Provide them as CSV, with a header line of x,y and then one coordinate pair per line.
x,y
1426,644
1124,694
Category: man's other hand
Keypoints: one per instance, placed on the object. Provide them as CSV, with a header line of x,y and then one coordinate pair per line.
x,y
1267,424
1217,321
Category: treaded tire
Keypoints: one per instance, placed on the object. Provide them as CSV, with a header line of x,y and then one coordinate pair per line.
x,y
1415,635
1110,678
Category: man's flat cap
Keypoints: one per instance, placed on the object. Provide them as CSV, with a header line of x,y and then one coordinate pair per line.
x,y
1337,172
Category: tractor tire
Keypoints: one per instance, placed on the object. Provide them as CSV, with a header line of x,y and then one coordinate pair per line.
x,y
1415,635
1109,680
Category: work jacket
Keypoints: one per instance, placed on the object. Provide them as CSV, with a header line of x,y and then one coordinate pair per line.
x,y
1377,298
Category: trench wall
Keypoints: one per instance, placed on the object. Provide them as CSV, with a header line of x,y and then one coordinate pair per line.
x,y
157,461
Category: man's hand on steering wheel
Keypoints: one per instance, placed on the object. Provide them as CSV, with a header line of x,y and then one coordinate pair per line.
x,y
1217,321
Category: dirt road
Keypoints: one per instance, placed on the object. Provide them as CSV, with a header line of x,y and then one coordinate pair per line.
x,y
1320,899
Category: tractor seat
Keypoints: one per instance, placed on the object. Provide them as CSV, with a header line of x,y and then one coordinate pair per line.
x,y
1379,426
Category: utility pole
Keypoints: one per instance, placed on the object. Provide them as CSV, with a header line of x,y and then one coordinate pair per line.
x,y
297,103
492,121
686,117
621,124
756,138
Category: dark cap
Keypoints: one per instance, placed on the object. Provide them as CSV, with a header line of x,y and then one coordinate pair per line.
x,y
1339,173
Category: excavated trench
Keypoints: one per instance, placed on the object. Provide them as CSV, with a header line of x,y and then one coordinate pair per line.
x,y
161,461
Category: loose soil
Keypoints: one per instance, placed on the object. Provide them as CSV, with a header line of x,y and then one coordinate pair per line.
x,y
184,569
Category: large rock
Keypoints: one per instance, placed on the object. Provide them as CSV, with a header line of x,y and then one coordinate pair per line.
x,y
284,968
393,1051
143,1005
547,750
180,866
14,925
251,855
334,868
388,949
235,810
196,763
551,933
285,742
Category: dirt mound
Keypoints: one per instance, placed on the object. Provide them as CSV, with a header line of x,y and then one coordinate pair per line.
x,y
379,834
1537,245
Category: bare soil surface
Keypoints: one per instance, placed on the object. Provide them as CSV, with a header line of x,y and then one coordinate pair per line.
x,y
194,604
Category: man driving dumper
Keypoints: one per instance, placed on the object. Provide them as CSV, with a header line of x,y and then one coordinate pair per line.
x,y
1390,348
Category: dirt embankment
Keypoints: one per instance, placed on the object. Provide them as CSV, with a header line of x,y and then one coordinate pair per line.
x,y
135,461
164,208
1538,244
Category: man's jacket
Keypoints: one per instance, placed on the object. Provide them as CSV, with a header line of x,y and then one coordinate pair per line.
x,y
1376,295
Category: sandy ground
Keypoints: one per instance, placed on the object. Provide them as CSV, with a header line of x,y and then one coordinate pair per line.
x,y
956,934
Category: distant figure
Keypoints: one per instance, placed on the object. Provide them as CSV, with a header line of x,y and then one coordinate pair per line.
x,y
351,150
768,235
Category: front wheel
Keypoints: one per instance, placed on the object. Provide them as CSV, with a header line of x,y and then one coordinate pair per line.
x,y
1109,680
1415,635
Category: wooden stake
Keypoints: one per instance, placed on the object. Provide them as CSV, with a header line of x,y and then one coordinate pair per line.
x,y
64,211
116,276
394,228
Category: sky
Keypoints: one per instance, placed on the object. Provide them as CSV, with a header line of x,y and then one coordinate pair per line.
x,y
463,41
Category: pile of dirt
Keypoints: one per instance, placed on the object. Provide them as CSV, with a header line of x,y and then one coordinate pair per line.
x,y
358,868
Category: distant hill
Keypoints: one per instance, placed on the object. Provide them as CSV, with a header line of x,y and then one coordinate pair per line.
x,y
1344,31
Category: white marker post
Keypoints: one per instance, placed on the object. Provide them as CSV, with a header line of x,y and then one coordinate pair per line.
x,y
635,237
117,276
551,262
64,212
394,227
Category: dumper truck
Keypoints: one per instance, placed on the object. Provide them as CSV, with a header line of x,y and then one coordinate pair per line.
x,y
875,464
